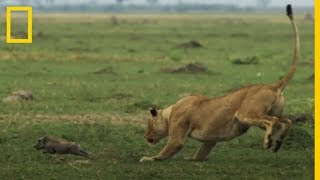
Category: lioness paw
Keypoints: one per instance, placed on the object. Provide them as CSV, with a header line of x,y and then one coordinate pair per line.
x,y
190,158
267,143
146,159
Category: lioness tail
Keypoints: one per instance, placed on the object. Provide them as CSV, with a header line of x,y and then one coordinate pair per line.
x,y
296,53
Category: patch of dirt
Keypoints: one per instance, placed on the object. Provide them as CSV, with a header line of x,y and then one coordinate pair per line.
x,y
144,104
59,160
107,70
80,119
190,44
117,96
192,68
246,60
18,96
82,162
40,34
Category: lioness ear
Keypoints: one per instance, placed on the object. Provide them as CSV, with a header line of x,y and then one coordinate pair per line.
x,y
153,112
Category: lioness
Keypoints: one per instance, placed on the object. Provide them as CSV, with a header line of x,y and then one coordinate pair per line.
x,y
224,118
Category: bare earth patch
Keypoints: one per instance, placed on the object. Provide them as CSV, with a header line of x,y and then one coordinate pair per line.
x,y
107,70
18,96
90,118
190,44
192,68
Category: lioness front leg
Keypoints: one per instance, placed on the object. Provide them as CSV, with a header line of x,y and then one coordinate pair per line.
x,y
168,151
203,151
175,143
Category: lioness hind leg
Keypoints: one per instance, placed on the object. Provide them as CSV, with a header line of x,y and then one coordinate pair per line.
x,y
203,152
280,134
270,124
277,108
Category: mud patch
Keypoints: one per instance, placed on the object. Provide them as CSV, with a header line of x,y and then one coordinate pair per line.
x,y
246,61
79,119
107,70
117,96
18,96
144,104
239,35
191,68
40,34
190,44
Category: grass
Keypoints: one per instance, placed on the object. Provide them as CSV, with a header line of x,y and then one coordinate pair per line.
x,y
116,149
59,68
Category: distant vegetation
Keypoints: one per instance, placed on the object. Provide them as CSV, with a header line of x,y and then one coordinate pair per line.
x,y
149,6
132,8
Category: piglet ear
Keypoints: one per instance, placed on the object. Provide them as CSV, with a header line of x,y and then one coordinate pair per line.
x,y
45,138
153,112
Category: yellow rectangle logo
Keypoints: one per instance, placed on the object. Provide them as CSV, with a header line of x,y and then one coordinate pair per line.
x,y
19,8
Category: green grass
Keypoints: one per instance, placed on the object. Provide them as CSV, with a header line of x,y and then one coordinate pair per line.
x,y
116,150
59,68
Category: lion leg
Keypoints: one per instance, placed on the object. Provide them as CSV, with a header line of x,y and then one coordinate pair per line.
x,y
203,151
277,108
168,151
280,134
268,123
176,139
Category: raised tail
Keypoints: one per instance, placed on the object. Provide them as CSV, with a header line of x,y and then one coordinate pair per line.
x,y
280,85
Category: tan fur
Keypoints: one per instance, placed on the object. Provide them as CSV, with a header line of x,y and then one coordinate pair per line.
x,y
224,118
54,145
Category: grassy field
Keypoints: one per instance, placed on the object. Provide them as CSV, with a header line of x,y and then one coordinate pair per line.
x,y
95,76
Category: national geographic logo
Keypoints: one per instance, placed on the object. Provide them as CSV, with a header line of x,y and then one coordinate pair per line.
x,y
10,9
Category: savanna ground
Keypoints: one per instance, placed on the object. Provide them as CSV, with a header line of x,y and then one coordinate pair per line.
x,y
95,76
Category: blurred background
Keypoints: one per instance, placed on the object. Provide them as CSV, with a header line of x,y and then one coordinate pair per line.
x,y
160,5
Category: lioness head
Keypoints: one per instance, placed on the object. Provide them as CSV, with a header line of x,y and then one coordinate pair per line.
x,y
157,125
